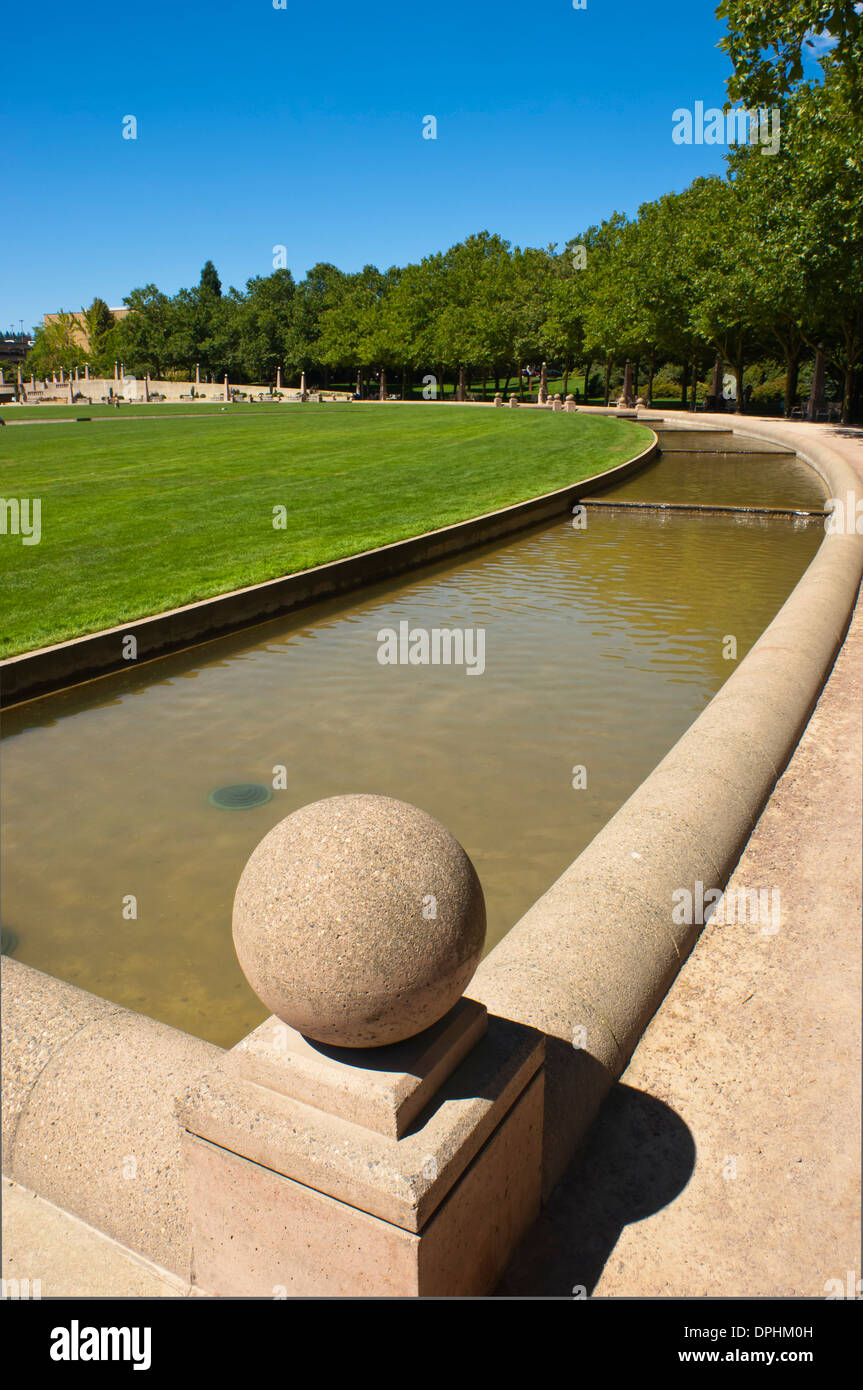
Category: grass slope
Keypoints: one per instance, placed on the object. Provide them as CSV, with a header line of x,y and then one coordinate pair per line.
x,y
139,517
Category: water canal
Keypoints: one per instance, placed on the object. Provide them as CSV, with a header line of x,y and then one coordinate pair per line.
x,y
601,647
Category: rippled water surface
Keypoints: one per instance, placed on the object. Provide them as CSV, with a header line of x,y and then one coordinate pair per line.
x,y
735,480
601,648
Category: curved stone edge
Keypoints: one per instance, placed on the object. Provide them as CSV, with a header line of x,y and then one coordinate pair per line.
x,y
31,674
88,1111
594,957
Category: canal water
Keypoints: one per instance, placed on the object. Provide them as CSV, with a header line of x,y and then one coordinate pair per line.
x,y
725,479
602,645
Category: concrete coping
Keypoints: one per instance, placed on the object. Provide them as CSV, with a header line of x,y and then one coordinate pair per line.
x,y
592,959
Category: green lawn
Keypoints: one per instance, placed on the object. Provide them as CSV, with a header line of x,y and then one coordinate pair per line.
x,y
81,410
137,517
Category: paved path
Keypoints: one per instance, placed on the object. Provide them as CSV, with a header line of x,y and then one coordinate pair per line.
x,y
69,1258
727,1161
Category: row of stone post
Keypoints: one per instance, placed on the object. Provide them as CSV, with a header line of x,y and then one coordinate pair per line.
x,y
556,403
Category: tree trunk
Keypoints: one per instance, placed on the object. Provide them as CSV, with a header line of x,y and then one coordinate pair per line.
x,y
847,395
506,385
607,379
497,384
360,382
404,381
684,386
651,370
461,390
565,376
792,372
529,385
484,380
587,371
635,378
520,382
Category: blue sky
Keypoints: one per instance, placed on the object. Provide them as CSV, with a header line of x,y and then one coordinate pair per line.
x,y
302,127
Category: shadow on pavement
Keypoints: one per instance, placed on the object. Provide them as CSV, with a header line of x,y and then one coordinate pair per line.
x,y
638,1157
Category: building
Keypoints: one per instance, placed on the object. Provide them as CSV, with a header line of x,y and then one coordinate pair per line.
x,y
79,332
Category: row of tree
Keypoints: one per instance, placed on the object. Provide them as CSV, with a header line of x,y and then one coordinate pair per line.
x,y
765,261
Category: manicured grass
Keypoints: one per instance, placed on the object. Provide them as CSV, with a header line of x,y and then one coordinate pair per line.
x,y
137,518
12,413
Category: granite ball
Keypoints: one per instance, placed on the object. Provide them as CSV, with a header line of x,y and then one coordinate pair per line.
x,y
359,921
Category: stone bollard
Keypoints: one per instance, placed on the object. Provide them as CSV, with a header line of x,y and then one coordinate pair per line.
x,y
379,1134
513,400
570,403
557,404
498,398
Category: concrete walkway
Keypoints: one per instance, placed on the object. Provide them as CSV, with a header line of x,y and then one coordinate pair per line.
x,y
727,1161
68,1258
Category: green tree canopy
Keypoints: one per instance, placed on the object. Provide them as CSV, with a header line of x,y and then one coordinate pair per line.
x,y
768,39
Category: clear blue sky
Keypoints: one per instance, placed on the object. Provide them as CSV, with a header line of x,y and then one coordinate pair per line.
x,y
303,127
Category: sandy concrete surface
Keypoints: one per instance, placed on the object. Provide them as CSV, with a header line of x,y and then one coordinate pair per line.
x,y
727,1161
69,1258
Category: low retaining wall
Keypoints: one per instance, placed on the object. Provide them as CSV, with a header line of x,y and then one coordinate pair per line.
x,y
599,951
100,653
88,1111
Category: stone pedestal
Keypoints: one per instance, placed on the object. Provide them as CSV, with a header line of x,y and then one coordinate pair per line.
x,y
379,1134
412,1169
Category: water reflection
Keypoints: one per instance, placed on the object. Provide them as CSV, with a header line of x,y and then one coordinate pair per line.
x,y
602,646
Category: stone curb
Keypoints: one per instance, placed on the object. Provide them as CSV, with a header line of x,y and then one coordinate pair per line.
x,y
599,951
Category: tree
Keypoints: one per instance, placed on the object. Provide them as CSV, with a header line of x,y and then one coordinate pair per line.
x,y
320,289
766,41
264,321
57,347
142,338
609,319
348,326
823,147
210,281
97,323
719,253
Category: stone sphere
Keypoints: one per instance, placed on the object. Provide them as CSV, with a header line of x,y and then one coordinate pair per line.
x,y
359,921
